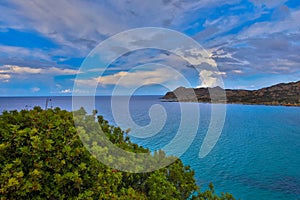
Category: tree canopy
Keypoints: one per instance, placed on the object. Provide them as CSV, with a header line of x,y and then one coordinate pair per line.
x,y
42,157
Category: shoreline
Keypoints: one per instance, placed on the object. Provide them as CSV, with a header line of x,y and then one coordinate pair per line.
x,y
238,103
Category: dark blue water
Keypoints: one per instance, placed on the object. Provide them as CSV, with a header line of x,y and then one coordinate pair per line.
x,y
256,157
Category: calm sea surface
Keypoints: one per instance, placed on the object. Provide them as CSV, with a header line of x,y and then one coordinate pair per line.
x,y
256,157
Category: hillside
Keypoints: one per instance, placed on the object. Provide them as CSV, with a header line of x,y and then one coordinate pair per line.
x,y
287,94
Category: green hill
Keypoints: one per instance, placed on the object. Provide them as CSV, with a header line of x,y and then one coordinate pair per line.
x,y
287,94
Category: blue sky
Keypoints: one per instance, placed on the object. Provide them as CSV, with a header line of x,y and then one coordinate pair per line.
x,y
255,43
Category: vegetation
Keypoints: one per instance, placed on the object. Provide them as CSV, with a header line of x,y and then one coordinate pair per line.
x,y
287,94
42,157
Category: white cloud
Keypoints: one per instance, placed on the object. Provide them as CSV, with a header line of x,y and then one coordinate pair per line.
x,y
237,71
128,79
221,73
60,71
20,70
229,57
81,25
66,91
197,56
35,89
291,24
4,77
8,72
13,69
134,78
14,51
210,79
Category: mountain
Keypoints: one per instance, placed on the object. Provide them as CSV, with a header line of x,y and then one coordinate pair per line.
x,y
287,94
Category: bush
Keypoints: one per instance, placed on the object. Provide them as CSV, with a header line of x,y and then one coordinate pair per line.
x,y
42,157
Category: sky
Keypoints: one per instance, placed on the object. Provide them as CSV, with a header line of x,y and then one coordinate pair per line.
x,y
43,44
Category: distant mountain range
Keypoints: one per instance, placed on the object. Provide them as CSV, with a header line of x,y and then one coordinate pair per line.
x,y
287,94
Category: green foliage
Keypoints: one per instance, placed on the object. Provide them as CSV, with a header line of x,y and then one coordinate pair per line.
x,y
211,195
42,157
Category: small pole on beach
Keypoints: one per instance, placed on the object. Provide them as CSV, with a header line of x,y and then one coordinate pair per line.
x,y
47,100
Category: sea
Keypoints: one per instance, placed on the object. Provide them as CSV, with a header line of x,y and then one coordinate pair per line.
x,y
257,155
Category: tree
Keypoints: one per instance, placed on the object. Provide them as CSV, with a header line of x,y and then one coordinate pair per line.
x,y
42,157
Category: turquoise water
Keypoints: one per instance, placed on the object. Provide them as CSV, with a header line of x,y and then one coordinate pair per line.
x,y
256,157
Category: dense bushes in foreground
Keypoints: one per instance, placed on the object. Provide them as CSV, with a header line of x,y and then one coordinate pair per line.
x,y
42,157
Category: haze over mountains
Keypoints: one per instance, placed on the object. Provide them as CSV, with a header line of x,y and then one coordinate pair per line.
x,y
287,94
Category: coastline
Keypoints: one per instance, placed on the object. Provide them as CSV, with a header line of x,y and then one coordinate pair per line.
x,y
238,103
282,94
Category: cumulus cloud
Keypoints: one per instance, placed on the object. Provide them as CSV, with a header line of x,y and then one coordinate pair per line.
x,y
210,78
197,56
